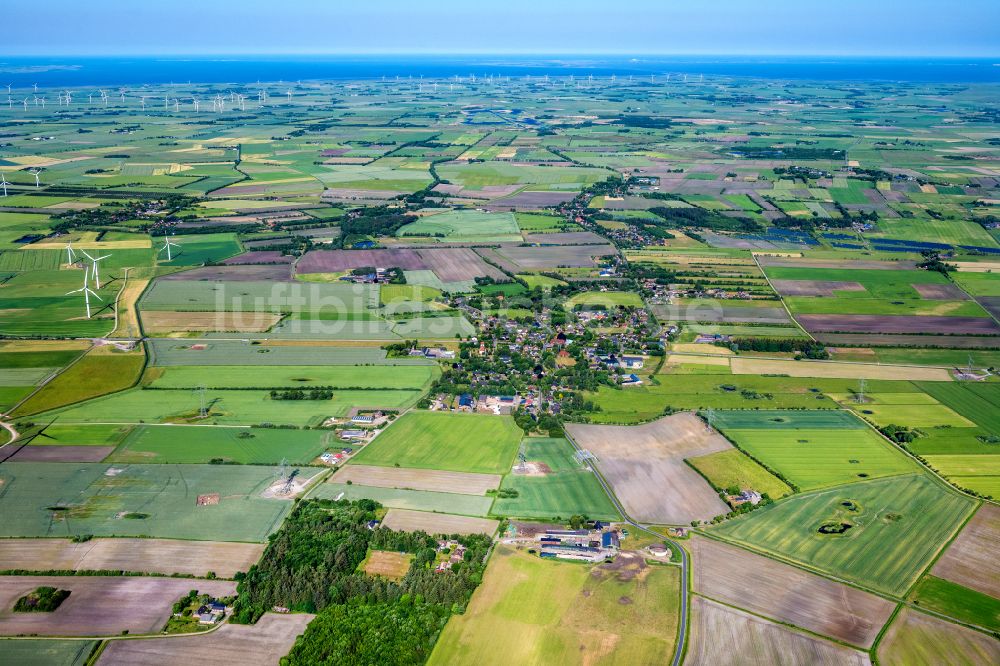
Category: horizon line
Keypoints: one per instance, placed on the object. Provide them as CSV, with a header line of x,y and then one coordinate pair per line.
x,y
548,54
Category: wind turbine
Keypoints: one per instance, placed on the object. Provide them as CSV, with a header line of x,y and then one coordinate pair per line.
x,y
87,291
70,255
35,86
196,105
93,262
3,183
167,244
25,102
289,93
35,173
142,100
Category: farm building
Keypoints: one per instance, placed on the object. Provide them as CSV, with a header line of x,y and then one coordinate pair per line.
x,y
584,545
632,362
631,380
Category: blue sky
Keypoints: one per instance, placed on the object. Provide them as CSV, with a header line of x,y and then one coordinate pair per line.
x,y
769,27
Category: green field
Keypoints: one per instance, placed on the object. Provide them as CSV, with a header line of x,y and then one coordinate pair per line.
x,y
732,468
956,601
897,527
605,299
100,372
979,403
65,499
747,392
228,407
170,352
446,441
566,490
821,457
331,301
203,444
45,652
60,434
543,281
292,376
465,224
764,419
416,500
558,610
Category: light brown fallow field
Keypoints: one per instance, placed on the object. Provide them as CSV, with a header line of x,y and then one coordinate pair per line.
x,y
404,520
782,592
157,321
724,636
165,556
645,466
261,644
466,483
972,559
100,605
915,638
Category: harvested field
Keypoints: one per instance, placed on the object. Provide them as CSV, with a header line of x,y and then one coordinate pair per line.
x,y
417,479
940,292
837,370
991,304
793,262
716,311
261,644
915,638
721,636
414,500
563,256
449,264
387,564
338,261
60,453
828,323
105,605
945,341
971,559
128,316
567,238
645,466
214,322
229,273
259,257
158,556
531,200
814,287
404,520
458,264
787,594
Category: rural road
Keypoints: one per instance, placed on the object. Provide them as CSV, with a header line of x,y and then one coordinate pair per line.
x,y
9,428
683,621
